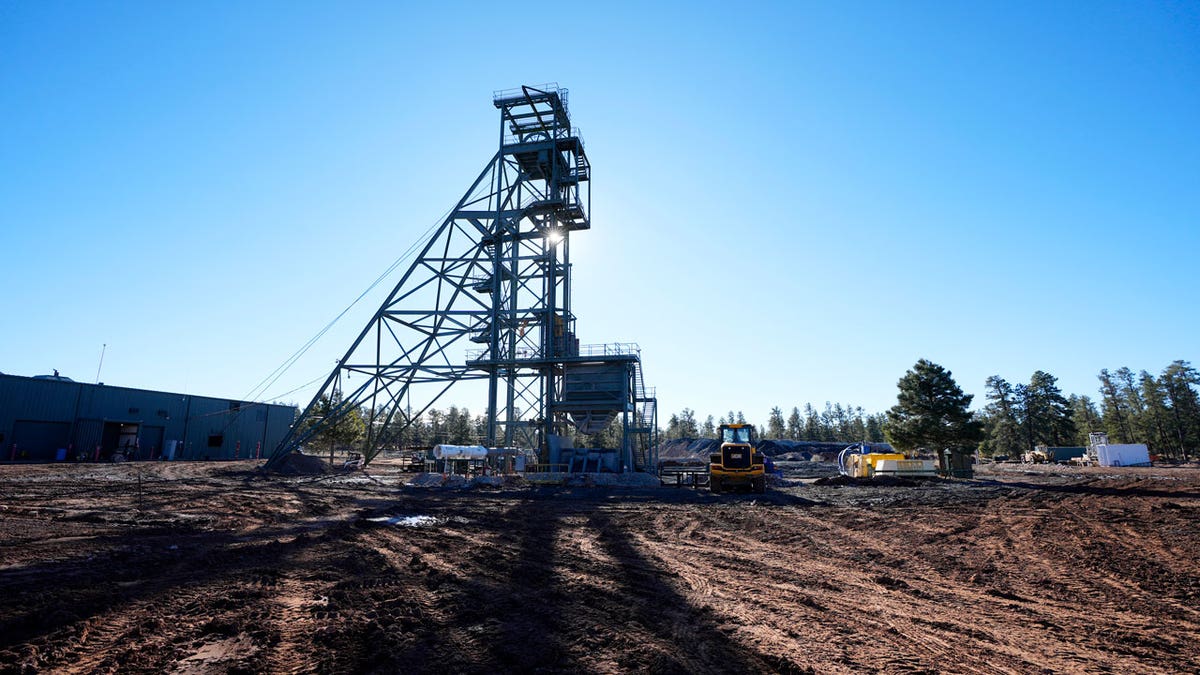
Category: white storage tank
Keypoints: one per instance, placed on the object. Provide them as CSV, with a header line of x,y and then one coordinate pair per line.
x,y
459,452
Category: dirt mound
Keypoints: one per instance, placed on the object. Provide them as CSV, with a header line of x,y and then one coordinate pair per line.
x,y
687,448
297,464
878,481
787,450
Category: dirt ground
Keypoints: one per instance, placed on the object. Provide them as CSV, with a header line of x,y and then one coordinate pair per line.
x,y
207,567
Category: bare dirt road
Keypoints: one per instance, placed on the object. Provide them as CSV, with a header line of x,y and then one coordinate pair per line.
x,y
211,568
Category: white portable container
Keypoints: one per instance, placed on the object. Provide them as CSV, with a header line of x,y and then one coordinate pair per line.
x,y
459,452
1127,454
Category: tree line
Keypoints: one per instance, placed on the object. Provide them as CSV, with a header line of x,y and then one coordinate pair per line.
x,y
835,423
453,426
1161,412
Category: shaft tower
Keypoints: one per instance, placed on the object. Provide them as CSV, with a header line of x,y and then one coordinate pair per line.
x,y
489,298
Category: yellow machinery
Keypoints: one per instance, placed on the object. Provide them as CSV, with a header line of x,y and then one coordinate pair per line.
x,y
738,464
857,461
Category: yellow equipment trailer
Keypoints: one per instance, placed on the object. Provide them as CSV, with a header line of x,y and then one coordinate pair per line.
x,y
858,461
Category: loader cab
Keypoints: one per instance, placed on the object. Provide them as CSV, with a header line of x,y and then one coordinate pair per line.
x,y
737,433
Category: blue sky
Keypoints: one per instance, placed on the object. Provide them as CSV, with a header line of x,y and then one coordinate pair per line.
x,y
802,198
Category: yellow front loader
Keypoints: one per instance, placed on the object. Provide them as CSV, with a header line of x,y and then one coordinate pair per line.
x,y
738,464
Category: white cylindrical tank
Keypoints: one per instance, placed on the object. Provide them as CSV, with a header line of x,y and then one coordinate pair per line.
x,y
459,452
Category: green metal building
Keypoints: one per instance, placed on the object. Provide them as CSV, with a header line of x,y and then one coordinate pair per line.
x,y
51,418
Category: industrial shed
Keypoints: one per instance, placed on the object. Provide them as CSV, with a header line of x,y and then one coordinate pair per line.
x,y
52,418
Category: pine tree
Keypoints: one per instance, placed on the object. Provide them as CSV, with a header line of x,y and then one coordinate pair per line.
x,y
931,412
1085,418
812,423
1048,414
709,430
348,430
875,428
1131,394
687,424
858,426
672,430
437,427
1116,418
775,425
458,426
1178,381
828,424
1154,421
841,423
795,426
1004,432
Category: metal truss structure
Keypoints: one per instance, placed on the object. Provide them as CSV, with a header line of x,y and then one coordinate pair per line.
x,y
489,298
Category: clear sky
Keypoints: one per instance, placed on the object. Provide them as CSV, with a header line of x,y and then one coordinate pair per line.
x,y
791,201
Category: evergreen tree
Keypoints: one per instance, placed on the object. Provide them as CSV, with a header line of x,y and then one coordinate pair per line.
x,y
682,425
345,431
1048,414
795,426
1178,381
858,426
1131,394
875,428
709,430
931,412
828,424
672,431
437,427
458,427
1004,433
1154,421
687,424
1085,417
741,419
1116,418
841,423
775,425
812,423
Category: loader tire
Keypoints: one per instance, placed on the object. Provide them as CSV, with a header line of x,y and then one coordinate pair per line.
x,y
759,484
714,484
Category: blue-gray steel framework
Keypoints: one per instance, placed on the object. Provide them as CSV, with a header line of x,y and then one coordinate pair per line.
x,y
496,274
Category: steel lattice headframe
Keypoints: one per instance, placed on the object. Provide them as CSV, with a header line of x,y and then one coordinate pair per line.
x,y
488,297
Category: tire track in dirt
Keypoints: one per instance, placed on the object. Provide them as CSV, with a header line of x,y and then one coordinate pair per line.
x,y
284,576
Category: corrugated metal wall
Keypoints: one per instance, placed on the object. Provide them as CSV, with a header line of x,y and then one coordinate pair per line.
x,y
94,416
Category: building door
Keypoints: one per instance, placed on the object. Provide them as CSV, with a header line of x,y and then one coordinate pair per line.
x,y
39,441
119,441
150,446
